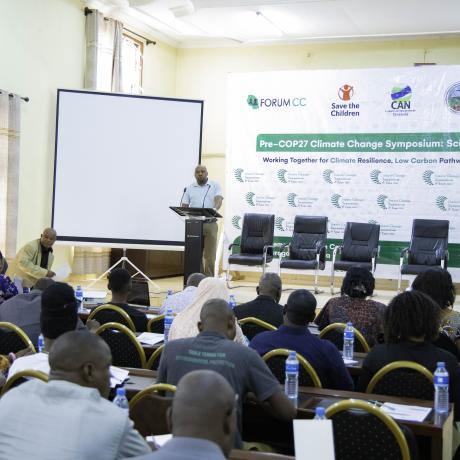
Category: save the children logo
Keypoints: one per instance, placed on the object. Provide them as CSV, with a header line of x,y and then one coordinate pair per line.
x,y
345,108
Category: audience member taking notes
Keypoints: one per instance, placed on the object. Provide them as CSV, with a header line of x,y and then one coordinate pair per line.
x,y
202,419
69,417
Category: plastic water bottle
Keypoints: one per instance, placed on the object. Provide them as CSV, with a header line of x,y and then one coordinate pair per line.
x,y
441,389
41,343
120,399
348,341
79,297
320,413
169,317
231,302
291,384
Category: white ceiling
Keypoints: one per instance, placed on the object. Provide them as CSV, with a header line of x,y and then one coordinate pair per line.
x,y
192,23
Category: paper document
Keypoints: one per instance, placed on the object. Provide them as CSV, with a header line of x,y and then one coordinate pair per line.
x,y
151,315
403,412
150,338
350,361
117,376
313,439
159,439
62,272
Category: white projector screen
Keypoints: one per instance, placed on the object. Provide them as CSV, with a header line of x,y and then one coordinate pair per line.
x,y
120,162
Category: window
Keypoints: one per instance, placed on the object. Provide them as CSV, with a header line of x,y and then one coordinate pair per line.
x,y
132,60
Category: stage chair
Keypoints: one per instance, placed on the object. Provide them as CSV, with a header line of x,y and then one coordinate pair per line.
x,y
252,326
256,245
276,361
403,378
360,248
363,431
307,250
21,377
334,333
13,339
156,324
428,248
126,350
154,360
109,313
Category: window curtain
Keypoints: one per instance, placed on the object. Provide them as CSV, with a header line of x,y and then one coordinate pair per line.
x,y
10,106
104,38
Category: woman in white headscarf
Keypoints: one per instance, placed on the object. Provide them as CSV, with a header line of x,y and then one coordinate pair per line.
x,y
185,323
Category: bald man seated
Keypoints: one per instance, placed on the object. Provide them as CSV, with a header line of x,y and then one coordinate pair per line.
x,y
35,259
69,417
214,349
202,419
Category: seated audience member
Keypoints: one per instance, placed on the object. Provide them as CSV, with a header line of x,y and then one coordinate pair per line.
x,y
58,315
265,306
120,285
214,349
3,264
202,419
34,260
352,305
185,323
411,322
181,300
294,335
437,283
7,289
23,310
69,417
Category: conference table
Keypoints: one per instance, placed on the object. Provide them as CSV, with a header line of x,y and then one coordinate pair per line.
x,y
260,426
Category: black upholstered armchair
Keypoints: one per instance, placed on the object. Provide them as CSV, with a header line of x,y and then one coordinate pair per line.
x,y
360,248
428,248
307,250
256,246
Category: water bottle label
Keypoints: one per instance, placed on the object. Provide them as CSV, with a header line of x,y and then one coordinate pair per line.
x,y
168,321
349,335
292,367
441,380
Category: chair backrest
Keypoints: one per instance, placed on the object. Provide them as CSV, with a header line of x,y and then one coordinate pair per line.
x,y
150,417
403,378
252,326
154,360
428,242
157,324
334,333
309,233
360,241
21,377
109,313
276,361
258,231
363,431
13,339
126,350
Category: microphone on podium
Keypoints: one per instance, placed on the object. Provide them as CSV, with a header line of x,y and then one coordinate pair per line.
x,y
209,186
183,193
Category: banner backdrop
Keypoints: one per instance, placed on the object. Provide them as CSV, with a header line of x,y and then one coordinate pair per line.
x,y
364,145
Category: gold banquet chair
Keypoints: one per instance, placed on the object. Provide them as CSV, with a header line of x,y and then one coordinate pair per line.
x,y
154,360
363,431
156,324
403,378
334,333
276,360
252,326
109,313
13,339
21,377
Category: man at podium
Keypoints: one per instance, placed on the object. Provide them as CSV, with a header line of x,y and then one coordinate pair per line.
x,y
205,194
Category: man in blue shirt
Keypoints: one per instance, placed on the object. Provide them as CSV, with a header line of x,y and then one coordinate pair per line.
x,y
205,194
294,335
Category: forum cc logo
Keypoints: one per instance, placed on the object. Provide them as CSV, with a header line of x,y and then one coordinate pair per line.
x,y
281,174
291,198
382,201
253,101
238,173
236,222
250,198
375,176
328,176
441,203
428,177
279,224
336,200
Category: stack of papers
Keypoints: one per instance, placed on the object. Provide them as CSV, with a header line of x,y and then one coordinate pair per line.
x,y
150,338
117,376
403,412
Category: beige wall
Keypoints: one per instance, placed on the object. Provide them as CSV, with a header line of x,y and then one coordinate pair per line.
x,y
202,73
